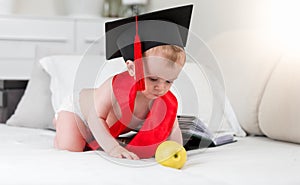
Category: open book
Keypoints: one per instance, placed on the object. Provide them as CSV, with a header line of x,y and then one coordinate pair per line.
x,y
197,135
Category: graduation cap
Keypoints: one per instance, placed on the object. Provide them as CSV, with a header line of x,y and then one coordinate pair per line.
x,y
130,37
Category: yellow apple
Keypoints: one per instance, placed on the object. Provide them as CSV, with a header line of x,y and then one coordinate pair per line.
x,y
171,154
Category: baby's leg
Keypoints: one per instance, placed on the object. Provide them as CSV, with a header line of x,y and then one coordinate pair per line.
x,y
69,132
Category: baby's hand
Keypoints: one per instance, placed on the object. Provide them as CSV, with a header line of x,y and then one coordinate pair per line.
x,y
120,152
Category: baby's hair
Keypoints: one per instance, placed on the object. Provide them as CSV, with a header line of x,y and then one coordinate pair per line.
x,y
171,52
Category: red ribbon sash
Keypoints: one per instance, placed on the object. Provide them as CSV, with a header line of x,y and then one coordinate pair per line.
x,y
157,125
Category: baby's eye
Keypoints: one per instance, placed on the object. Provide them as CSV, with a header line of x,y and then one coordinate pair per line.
x,y
153,79
169,82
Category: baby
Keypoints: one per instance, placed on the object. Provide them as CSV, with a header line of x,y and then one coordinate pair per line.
x,y
117,107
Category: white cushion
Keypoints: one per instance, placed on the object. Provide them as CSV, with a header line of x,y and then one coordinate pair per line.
x,y
247,59
71,73
34,109
194,93
279,116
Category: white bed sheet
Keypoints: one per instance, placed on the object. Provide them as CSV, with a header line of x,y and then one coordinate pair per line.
x,y
27,157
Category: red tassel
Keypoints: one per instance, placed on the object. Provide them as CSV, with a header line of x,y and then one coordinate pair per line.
x,y
138,62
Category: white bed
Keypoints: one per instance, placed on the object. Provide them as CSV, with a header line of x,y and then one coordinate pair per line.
x,y
28,157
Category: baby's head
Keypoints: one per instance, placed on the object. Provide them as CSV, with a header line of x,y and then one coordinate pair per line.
x,y
172,53
160,36
162,65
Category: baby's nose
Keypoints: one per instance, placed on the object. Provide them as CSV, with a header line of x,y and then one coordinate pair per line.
x,y
160,86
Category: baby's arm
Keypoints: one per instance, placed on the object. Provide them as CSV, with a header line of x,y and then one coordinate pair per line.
x,y
176,133
95,106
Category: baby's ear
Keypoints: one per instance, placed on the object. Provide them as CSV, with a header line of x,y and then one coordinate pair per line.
x,y
130,67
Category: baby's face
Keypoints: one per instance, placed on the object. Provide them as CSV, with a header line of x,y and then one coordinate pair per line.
x,y
160,74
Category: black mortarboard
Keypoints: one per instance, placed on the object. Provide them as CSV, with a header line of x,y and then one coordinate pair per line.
x,y
169,26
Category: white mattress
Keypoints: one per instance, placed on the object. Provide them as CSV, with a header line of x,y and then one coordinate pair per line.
x,y
27,157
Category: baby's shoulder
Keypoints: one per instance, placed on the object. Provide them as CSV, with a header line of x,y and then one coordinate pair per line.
x,y
106,83
105,89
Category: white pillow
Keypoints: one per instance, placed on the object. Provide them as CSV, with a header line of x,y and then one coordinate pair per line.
x,y
71,73
247,59
279,108
35,109
194,94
